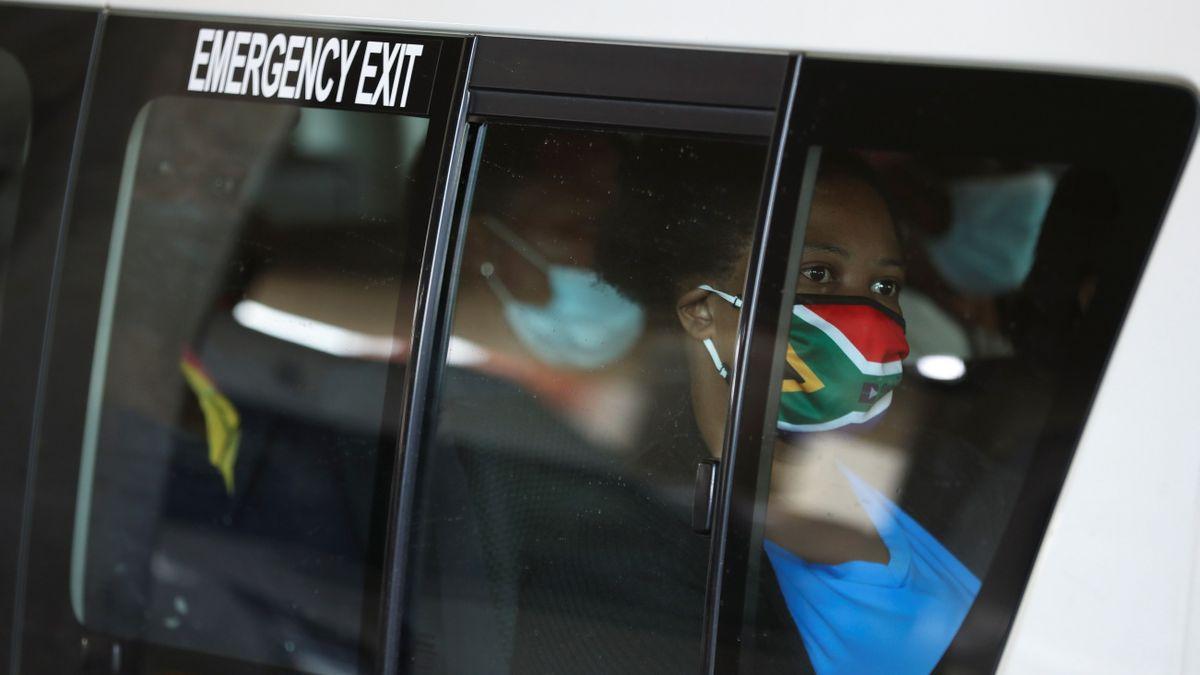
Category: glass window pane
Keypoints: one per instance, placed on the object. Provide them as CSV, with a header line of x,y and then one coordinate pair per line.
x,y
939,304
16,109
554,528
250,331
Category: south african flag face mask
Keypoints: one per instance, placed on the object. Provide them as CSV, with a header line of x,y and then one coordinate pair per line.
x,y
844,358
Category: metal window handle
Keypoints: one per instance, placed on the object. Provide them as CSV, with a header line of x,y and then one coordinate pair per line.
x,y
705,496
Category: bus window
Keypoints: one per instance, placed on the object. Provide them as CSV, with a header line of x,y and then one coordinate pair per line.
x,y
236,286
554,527
936,299
959,256
247,339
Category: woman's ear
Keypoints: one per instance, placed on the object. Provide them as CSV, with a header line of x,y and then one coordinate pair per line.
x,y
695,315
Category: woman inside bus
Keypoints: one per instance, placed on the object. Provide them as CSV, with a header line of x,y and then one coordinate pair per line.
x,y
864,586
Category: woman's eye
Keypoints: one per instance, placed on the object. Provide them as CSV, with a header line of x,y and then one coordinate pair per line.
x,y
885,287
818,274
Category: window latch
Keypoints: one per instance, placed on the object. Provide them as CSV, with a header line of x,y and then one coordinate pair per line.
x,y
705,496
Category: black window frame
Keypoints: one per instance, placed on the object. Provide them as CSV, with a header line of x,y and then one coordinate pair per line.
x,y
122,82
54,46
807,102
574,85
952,110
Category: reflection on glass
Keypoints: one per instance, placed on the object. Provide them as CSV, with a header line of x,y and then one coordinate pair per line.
x,y
236,412
554,530
16,109
918,375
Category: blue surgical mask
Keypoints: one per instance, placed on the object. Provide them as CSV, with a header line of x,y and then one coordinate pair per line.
x,y
994,230
586,323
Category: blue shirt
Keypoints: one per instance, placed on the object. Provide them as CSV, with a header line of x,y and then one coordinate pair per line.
x,y
868,617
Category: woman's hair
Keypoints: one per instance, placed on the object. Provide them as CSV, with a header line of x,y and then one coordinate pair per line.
x,y
687,214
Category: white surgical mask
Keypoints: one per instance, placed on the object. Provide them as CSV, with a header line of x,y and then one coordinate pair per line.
x,y
996,221
586,324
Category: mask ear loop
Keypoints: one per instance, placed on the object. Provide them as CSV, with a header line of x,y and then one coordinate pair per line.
x,y
731,299
708,343
517,243
716,358
488,270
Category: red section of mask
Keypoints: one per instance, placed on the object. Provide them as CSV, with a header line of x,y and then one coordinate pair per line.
x,y
876,335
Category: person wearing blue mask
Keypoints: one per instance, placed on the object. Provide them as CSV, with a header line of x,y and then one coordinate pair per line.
x,y
584,324
574,560
995,222
527,288
870,591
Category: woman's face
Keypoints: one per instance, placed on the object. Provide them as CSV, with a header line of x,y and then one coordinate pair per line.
x,y
851,249
850,245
